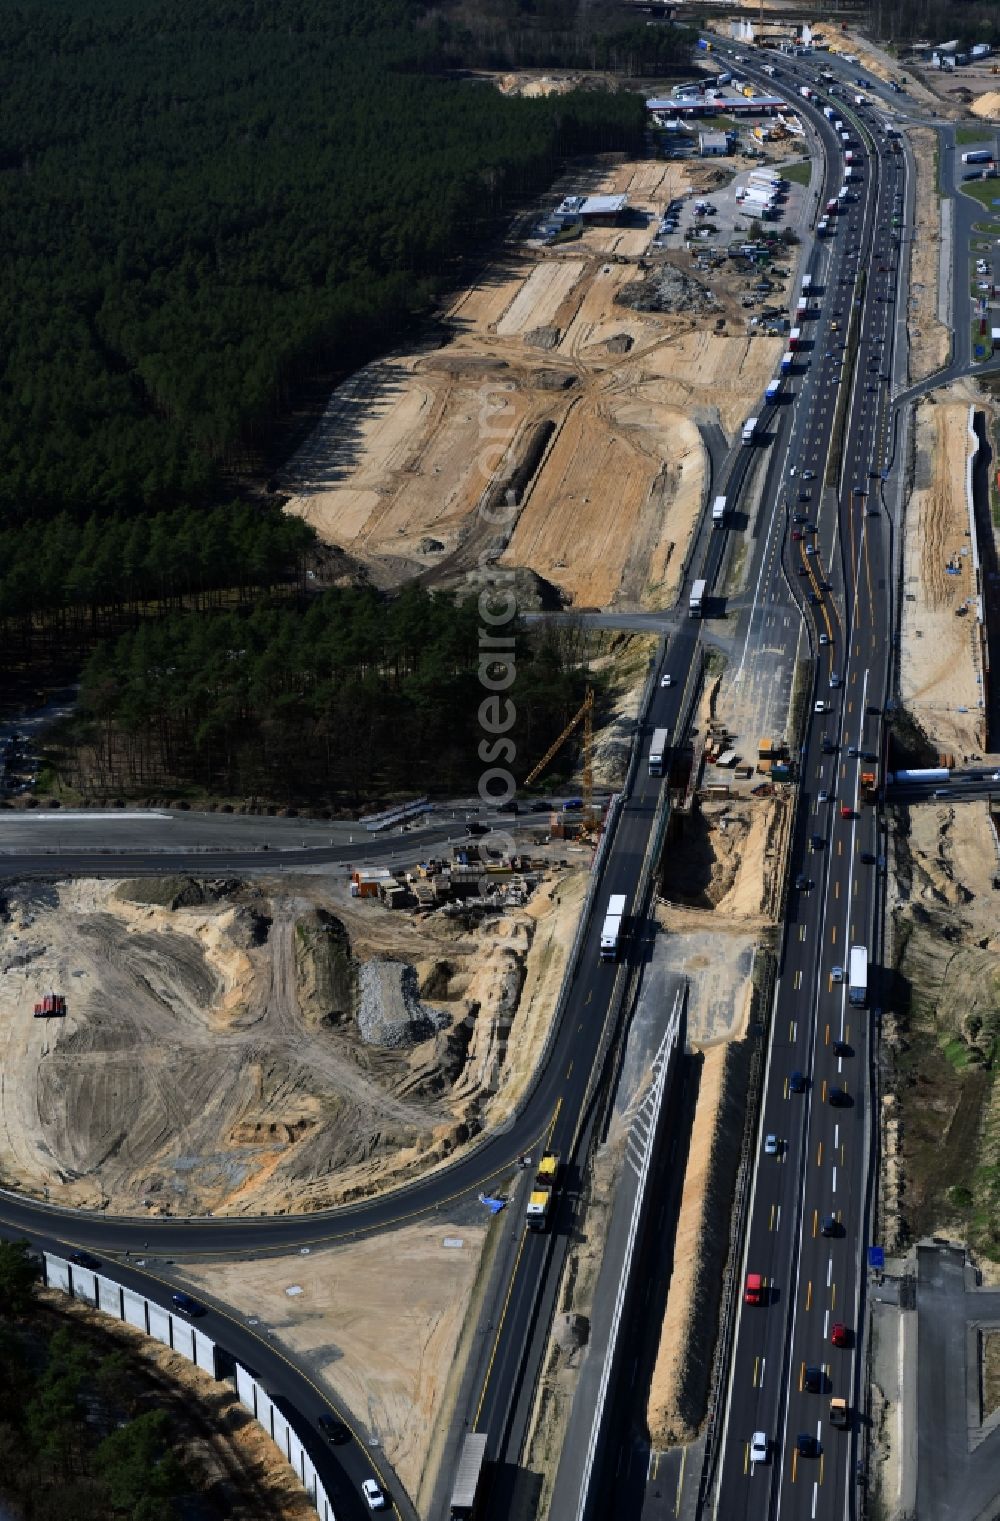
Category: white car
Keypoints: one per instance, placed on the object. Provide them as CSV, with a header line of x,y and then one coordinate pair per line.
x,y
759,1447
374,1498
666,681
837,973
824,638
770,1145
821,706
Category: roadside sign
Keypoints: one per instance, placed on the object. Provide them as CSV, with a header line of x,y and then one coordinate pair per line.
x,y
876,1258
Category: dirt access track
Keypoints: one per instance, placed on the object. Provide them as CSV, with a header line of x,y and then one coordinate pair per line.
x,y
539,363
236,1048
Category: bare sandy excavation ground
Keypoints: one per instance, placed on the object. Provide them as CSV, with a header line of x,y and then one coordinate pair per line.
x,y
231,1049
547,383
939,675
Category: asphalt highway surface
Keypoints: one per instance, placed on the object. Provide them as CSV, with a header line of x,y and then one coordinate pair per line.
x,y
807,1218
837,573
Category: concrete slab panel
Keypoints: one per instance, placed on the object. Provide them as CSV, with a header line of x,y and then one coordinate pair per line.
x,y
204,1353
183,1337
57,1273
265,1410
84,1284
159,1322
296,1452
134,1308
109,1297
246,1389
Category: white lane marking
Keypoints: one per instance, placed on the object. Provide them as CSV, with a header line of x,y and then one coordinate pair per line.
x,y
815,1496
777,1219
829,1272
835,1177
826,1324
836,1135
763,1365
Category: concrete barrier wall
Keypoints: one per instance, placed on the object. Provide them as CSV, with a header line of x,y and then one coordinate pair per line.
x,y
257,1400
146,1315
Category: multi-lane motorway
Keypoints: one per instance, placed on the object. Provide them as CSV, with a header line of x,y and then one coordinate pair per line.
x,y
809,1205
838,572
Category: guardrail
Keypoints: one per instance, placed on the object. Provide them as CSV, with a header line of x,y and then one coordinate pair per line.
x,y
153,1320
390,816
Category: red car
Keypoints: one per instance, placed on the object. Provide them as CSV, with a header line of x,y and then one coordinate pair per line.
x,y
754,1291
838,1334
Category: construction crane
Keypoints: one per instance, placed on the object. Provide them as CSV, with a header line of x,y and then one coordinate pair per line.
x,y
584,715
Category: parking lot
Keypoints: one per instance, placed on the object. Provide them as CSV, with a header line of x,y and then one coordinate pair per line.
x,y
729,219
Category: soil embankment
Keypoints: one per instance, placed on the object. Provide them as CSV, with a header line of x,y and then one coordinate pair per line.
x,y
237,1048
941,1031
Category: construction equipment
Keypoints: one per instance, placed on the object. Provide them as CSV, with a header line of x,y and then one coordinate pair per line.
x,y
584,715
543,1193
52,1006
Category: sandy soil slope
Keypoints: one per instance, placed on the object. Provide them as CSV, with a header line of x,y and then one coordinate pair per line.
x,y
397,471
228,1056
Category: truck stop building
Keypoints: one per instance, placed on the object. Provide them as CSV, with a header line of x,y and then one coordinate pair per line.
x,y
712,144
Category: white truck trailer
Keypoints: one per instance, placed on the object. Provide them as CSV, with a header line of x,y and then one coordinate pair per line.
x,y
611,934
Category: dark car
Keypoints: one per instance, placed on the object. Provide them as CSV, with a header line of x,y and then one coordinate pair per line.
x,y
867,859
829,1226
802,883
332,1429
838,1098
815,598
799,517
797,1082
841,1048
829,746
812,1380
805,496
805,1445
84,1260
186,1304
816,842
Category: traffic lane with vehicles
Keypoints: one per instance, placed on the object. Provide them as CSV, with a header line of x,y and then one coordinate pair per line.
x,y
837,1132
818,1159
500,1402
850,897
342,1465
751,1419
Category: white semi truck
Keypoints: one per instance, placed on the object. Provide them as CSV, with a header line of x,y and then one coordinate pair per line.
x,y
658,747
612,932
857,977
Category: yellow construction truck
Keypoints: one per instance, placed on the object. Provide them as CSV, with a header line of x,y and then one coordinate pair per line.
x,y
543,1192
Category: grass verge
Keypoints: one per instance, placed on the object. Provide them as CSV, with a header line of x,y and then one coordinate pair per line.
x,y
800,172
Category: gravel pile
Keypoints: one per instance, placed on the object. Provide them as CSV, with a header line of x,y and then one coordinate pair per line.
x,y
666,289
390,1013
